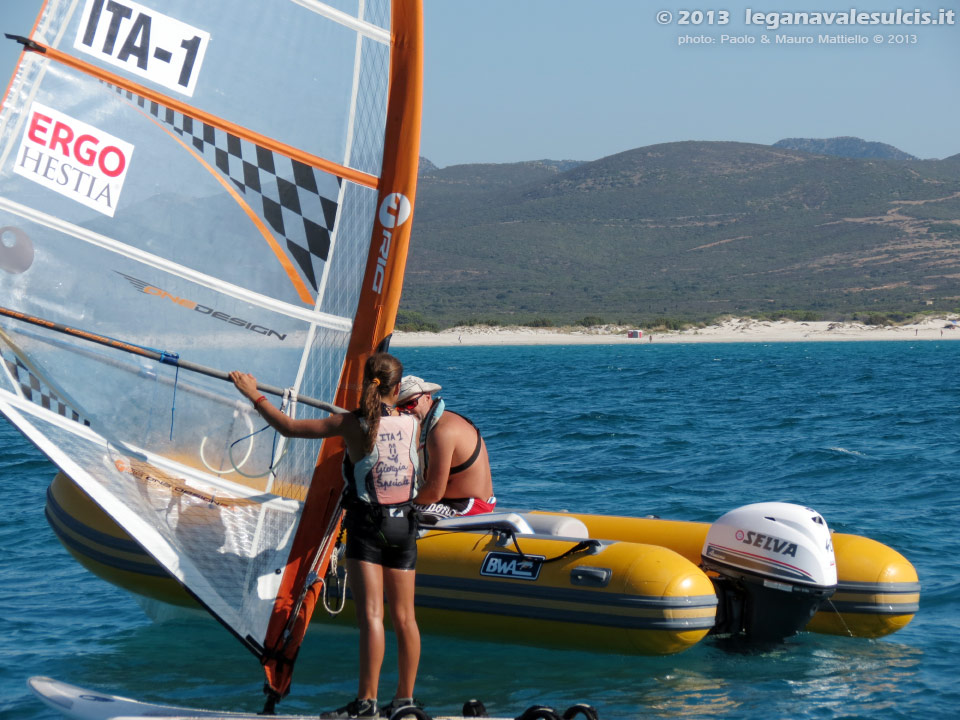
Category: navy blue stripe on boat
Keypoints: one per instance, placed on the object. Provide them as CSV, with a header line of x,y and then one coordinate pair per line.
x,y
142,568
67,520
534,612
872,608
570,615
878,587
60,521
869,606
545,592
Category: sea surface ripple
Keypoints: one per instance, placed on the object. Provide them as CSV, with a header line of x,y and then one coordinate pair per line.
x,y
866,433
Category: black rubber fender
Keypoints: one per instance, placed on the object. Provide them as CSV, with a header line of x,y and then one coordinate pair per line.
x,y
588,711
474,708
538,712
410,711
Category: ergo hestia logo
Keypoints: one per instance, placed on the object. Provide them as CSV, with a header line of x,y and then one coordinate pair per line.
x,y
394,211
73,158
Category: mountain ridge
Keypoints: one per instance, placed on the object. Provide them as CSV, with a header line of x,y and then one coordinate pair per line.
x,y
688,230
846,146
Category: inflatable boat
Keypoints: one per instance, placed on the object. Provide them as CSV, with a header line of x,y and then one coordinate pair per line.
x,y
602,583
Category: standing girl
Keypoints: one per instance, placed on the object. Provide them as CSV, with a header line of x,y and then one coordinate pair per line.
x,y
382,473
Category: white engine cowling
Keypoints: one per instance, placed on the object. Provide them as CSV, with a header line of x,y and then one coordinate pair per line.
x,y
776,567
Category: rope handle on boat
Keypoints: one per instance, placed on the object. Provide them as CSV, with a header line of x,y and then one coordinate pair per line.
x,y
581,546
829,601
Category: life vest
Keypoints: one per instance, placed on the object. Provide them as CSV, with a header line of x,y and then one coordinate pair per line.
x,y
390,473
429,422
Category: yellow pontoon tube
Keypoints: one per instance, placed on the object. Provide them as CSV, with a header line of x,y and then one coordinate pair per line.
x,y
878,591
614,596
603,596
638,589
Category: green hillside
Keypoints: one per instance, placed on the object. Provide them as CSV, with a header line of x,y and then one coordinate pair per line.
x,y
690,231
845,147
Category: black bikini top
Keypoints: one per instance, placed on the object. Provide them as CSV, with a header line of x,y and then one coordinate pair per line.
x,y
476,451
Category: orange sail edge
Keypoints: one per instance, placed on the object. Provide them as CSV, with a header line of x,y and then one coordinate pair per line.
x,y
373,324
297,600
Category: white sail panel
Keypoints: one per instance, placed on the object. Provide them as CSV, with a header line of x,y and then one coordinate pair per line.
x,y
238,239
208,538
195,194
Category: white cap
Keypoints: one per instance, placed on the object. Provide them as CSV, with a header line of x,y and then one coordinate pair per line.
x,y
411,385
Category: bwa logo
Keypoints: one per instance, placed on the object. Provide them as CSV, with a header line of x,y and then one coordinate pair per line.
x,y
512,565
73,158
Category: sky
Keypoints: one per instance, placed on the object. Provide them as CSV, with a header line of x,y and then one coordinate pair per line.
x,y
515,80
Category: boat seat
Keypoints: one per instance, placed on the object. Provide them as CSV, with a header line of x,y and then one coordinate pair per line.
x,y
560,525
520,523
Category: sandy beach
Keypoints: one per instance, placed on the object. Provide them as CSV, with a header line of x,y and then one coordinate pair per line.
x,y
733,330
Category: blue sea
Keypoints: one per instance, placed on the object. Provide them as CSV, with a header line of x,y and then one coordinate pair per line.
x,y
866,433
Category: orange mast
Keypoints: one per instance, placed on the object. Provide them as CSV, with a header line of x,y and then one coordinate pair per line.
x,y
376,314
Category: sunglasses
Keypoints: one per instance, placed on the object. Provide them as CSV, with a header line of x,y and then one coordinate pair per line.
x,y
411,401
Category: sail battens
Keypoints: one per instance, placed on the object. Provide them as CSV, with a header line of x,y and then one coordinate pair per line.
x,y
210,488
355,176
331,322
338,16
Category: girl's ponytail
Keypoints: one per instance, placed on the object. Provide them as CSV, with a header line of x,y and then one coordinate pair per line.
x,y
381,374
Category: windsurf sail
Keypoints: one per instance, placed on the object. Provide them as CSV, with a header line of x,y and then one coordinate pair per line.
x,y
229,184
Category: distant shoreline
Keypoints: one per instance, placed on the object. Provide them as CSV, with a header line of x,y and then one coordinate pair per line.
x,y
735,330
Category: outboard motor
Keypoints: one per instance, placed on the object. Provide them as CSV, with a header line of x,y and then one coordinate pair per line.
x,y
776,567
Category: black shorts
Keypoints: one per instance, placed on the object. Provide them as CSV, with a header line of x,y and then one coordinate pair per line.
x,y
394,548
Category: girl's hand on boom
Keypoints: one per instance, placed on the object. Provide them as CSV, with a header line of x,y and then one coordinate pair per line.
x,y
246,384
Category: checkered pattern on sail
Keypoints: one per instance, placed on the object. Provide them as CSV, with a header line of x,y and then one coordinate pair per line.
x,y
37,391
294,197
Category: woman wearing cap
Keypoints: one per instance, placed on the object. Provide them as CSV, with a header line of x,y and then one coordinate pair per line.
x,y
457,479
381,467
